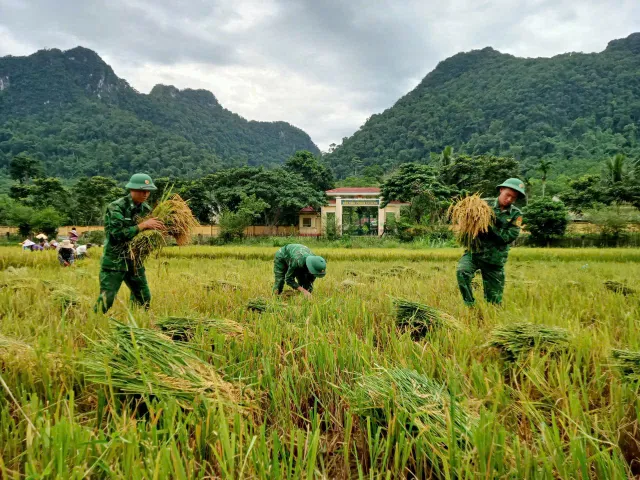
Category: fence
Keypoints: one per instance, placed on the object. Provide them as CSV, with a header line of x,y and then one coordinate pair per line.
x,y
202,230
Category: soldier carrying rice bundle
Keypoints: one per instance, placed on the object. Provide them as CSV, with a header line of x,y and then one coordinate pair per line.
x,y
486,228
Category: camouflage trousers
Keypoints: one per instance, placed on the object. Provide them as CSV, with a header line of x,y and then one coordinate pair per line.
x,y
492,279
110,282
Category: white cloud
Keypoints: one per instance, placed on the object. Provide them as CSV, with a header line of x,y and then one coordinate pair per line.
x,y
322,66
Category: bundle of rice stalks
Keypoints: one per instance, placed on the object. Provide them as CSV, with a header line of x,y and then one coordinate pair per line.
x,y
178,221
17,356
519,339
261,305
19,271
470,217
223,285
395,271
66,296
421,403
619,288
184,328
140,361
18,283
351,273
349,284
177,218
628,362
421,319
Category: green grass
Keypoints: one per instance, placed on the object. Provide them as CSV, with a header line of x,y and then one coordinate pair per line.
x,y
305,369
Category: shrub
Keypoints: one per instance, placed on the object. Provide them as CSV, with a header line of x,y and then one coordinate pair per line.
x,y
545,220
47,221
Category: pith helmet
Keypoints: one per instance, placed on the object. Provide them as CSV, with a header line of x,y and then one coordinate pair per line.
x,y
514,184
140,181
317,265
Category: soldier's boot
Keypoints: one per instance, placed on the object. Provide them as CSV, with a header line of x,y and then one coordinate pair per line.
x,y
465,272
493,282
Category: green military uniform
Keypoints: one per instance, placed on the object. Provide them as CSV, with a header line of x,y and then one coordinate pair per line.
x,y
120,226
292,266
491,254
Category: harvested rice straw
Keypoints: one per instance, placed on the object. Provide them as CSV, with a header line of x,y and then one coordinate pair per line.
x,y
619,287
141,361
422,319
628,362
470,217
178,221
519,339
183,328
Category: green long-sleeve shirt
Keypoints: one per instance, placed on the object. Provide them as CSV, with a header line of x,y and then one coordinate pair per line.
x,y
120,226
494,245
291,267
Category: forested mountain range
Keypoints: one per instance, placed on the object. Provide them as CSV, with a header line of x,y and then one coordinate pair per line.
x,y
574,109
72,112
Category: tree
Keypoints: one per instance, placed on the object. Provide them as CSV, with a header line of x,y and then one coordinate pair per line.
x,y
305,164
285,192
419,185
22,217
23,168
544,166
479,173
47,221
545,220
615,169
584,193
233,224
91,195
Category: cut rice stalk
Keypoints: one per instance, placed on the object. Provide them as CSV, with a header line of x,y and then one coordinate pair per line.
x,y
519,339
421,319
183,328
140,361
470,217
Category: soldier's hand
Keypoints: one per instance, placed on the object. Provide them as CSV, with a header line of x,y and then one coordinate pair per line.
x,y
151,224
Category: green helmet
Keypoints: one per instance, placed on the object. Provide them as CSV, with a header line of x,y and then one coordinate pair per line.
x,y
316,265
514,184
140,181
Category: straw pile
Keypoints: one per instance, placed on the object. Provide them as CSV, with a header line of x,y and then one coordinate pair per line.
x,y
421,319
628,362
65,295
349,284
140,361
423,405
261,305
469,218
618,287
223,285
184,328
178,221
519,339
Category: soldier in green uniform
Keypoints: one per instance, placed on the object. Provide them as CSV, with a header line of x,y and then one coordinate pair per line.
x,y
298,267
121,224
491,254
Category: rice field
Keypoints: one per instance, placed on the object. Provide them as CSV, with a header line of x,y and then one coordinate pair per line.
x,y
219,380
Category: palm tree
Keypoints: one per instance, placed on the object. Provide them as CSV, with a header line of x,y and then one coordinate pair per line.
x,y
544,166
615,168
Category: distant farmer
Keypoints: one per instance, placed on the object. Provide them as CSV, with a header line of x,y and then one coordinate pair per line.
x,y
490,254
296,266
66,253
73,235
81,250
122,222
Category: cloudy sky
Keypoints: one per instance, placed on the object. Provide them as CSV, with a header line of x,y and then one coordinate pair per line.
x,y
322,65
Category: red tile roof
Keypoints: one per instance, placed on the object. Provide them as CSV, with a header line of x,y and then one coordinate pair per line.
x,y
354,190
307,210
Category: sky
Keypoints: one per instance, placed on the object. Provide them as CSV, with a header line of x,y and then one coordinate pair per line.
x,y
322,65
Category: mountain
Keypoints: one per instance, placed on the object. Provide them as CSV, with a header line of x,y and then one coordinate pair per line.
x,y
72,111
574,109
